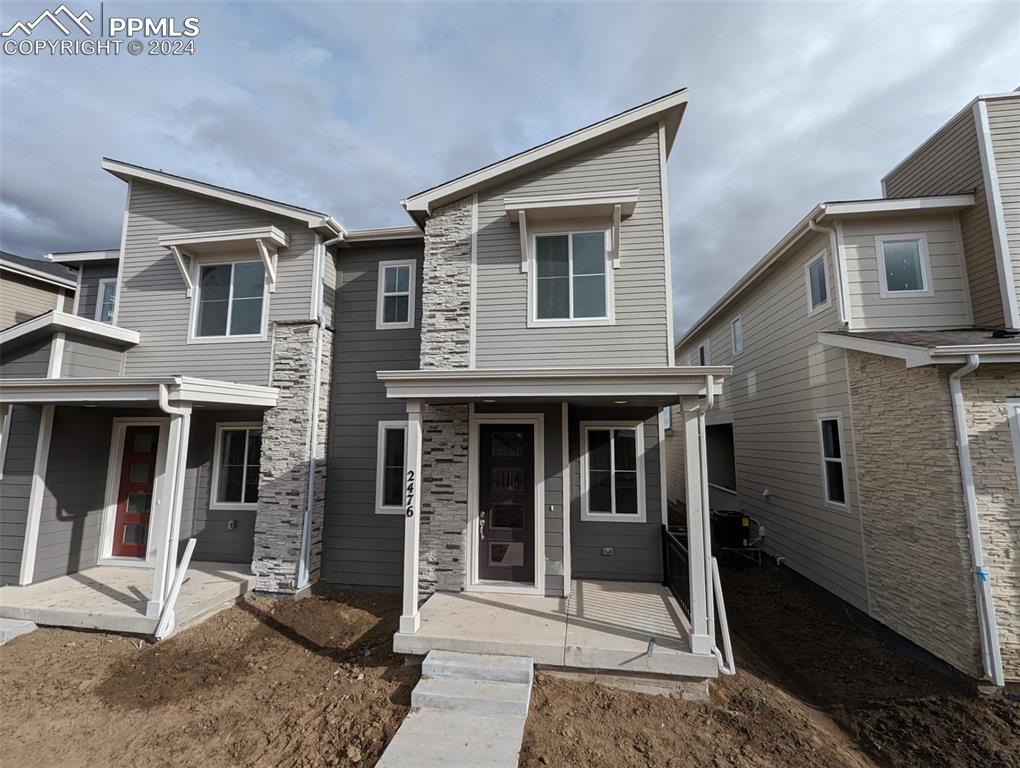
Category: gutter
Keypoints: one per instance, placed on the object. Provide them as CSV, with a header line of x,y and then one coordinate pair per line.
x,y
990,653
837,259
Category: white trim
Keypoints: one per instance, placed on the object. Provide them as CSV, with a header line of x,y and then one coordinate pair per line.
x,y
922,251
898,205
319,255
915,356
1013,414
639,447
77,291
380,450
814,309
664,202
35,496
572,205
6,413
196,299
410,618
131,389
737,330
473,583
76,257
473,311
123,251
663,492
380,293
843,276
56,361
100,287
231,426
608,281
64,322
274,235
565,493
35,274
382,234
1000,238
113,470
836,416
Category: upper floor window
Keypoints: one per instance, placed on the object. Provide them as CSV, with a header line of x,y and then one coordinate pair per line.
x,y
818,284
571,279
238,454
737,335
613,472
904,267
230,300
832,460
106,299
395,300
705,353
391,450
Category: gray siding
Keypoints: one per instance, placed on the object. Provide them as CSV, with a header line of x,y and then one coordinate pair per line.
x,y
28,361
950,163
15,485
22,298
153,299
85,357
637,547
1004,124
361,548
88,292
639,336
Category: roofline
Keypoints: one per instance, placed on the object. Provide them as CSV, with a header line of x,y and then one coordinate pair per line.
x,y
63,321
423,201
383,234
37,274
314,219
914,355
74,257
875,206
967,108
137,389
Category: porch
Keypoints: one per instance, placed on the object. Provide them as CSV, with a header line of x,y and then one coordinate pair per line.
x,y
610,626
114,598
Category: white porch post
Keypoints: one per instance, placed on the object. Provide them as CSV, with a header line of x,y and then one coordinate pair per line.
x,y
410,619
166,520
701,641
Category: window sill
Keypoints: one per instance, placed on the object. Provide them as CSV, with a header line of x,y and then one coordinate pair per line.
x,y
393,326
225,339
226,507
610,517
568,323
887,294
389,510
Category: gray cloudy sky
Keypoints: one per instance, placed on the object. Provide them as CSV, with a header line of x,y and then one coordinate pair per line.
x,y
349,107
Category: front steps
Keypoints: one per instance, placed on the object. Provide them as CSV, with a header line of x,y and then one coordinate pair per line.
x,y
468,711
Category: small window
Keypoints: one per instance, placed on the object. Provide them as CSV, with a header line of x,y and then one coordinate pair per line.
x,y
395,302
390,453
230,299
667,418
832,461
613,473
737,335
903,265
818,284
106,299
236,466
705,353
570,277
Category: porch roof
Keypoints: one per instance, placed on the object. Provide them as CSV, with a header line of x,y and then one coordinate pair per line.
x,y
639,386
136,391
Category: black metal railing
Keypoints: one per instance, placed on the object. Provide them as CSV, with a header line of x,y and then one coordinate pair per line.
x,y
676,571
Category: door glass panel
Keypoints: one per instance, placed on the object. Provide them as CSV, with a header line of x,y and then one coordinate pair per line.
x,y
508,516
506,444
134,533
506,479
140,473
139,503
144,441
506,554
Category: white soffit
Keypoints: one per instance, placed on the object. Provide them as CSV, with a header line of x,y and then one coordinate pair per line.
x,y
568,206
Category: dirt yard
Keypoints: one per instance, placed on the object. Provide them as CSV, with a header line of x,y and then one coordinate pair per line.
x,y
314,683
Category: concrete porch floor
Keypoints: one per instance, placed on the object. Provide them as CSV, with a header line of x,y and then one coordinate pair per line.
x,y
605,625
112,598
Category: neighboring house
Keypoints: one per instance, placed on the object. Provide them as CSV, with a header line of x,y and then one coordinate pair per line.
x,y
472,405
30,287
872,420
96,275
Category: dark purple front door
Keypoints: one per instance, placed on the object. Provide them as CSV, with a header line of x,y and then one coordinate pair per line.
x,y
506,502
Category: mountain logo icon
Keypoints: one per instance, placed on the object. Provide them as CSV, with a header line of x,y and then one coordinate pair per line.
x,y
55,16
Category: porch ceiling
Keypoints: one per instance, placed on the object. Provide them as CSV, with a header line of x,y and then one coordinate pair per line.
x,y
136,391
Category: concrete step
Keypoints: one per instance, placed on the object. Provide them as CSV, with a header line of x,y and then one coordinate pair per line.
x,y
12,628
480,697
478,666
435,738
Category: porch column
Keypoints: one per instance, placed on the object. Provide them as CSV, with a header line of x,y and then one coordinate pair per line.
x,y
410,619
166,522
701,641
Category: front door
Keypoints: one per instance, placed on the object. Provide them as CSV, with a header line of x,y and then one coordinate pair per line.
x,y
506,503
134,491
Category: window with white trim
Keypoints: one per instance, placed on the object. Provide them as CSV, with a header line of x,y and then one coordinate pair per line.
x,y
705,353
903,265
391,452
818,284
613,472
238,454
571,277
834,476
230,300
106,299
667,418
737,334
395,300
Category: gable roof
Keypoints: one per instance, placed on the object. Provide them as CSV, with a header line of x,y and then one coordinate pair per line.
x,y
668,108
317,220
37,269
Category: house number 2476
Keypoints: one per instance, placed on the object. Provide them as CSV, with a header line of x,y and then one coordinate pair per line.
x,y
409,511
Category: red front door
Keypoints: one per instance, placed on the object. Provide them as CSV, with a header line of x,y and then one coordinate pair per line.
x,y
134,493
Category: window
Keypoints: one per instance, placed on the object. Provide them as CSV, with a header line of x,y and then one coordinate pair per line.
x,y
238,453
705,353
395,301
570,277
389,471
832,460
737,335
818,284
230,300
903,265
613,472
667,418
106,299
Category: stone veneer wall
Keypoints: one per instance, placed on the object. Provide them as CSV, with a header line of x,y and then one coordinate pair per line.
x,y
915,531
997,489
446,293
283,482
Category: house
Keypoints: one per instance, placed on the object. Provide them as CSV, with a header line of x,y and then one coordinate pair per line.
x,y
30,287
872,420
467,410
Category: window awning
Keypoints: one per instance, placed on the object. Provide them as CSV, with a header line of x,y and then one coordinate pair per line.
x,y
136,391
263,241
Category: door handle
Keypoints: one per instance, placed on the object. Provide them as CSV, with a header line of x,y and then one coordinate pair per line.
x,y
481,524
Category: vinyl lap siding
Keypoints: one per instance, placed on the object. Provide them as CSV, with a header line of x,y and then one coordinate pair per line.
x,y
153,299
950,163
88,292
15,485
639,336
29,361
22,298
1004,124
90,358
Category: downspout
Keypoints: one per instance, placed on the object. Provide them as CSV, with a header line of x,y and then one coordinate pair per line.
x,y
178,489
990,654
837,260
703,408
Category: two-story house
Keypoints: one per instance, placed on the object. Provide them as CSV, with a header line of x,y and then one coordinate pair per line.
x,y
872,420
468,410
